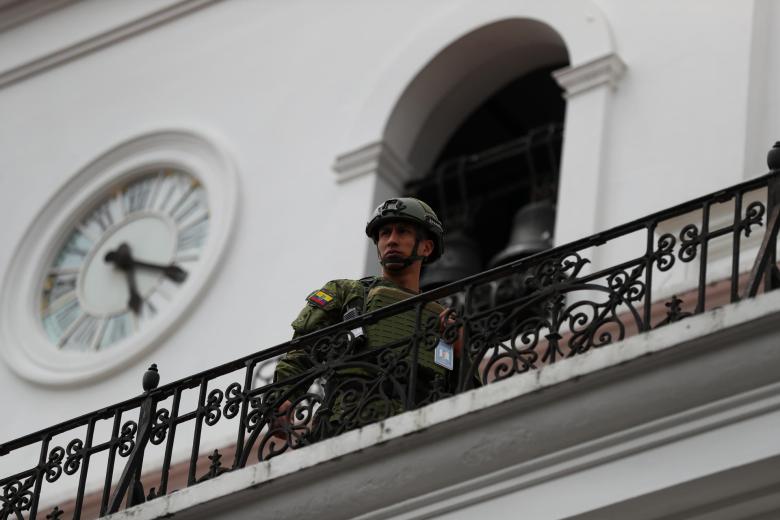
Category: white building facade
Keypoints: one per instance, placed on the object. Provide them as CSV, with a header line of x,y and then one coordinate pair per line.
x,y
293,120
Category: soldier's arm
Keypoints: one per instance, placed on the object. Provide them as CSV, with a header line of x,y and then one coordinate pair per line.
x,y
321,310
298,361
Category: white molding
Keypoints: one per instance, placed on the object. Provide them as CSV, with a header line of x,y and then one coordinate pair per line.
x,y
23,343
98,41
580,24
23,11
732,411
665,431
374,158
589,89
606,70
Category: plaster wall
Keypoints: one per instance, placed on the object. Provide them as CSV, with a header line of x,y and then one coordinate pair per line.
x,y
677,124
284,88
764,107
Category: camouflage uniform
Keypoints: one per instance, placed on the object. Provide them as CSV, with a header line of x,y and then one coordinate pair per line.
x,y
368,378
364,389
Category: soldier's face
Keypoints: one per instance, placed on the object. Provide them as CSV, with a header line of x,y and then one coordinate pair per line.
x,y
396,241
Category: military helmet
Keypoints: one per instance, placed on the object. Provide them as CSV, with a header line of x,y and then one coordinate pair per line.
x,y
412,210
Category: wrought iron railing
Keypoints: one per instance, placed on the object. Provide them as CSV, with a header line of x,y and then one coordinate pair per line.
x,y
508,321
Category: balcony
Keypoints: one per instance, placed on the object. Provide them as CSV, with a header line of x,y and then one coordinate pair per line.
x,y
669,405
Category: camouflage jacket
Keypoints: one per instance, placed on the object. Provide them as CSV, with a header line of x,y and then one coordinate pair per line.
x,y
362,372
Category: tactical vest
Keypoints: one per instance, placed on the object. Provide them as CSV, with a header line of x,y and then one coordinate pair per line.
x,y
379,397
401,326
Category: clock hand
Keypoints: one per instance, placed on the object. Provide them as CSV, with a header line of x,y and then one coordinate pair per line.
x,y
135,299
172,271
123,259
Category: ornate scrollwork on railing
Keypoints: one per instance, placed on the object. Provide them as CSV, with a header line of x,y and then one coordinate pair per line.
x,y
754,216
506,360
595,324
53,467
16,498
75,454
556,322
213,408
263,374
234,398
332,349
292,424
664,252
160,426
126,439
510,320
690,239
555,271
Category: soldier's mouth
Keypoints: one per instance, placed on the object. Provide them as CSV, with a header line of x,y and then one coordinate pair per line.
x,y
393,256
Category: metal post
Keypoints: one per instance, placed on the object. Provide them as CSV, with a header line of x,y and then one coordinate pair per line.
x,y
766,253
132,472
772,279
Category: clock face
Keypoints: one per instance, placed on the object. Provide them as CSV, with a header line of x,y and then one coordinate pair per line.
x,y
124,262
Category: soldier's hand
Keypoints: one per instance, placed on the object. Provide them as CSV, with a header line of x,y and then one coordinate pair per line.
x,y
446,319
281,421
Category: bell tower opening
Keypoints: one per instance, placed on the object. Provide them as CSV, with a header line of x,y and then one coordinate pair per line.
x,y
494,183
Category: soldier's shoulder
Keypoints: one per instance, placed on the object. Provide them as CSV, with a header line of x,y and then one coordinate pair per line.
x,y
344,285
334,293
354,285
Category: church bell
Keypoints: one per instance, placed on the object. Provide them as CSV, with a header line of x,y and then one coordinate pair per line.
x,y
532,232
461,258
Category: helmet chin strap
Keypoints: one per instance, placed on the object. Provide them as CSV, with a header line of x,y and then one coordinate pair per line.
x,y
403,262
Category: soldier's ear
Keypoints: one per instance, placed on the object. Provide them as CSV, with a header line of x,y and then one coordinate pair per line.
x,y
426,247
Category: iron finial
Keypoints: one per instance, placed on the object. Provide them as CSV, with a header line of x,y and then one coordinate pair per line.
x,y
151,378
773,157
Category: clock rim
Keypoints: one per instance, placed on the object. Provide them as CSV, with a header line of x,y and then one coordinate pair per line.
x,y
23,342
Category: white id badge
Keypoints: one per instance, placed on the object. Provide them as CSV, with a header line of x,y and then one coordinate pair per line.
x,y
444,355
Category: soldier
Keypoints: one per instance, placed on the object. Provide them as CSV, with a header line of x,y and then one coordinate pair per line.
x,y
372,380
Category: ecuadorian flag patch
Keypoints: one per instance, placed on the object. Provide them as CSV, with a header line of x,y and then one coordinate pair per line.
x,y
320,298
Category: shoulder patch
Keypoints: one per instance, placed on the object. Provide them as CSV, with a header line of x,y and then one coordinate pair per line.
x,y
320,298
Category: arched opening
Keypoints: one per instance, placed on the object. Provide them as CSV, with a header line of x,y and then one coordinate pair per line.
x,y
502,160
481,127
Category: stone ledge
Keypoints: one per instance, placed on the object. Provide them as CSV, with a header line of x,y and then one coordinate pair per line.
x,y
552,416
65,52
